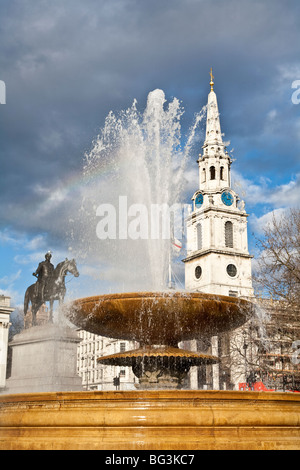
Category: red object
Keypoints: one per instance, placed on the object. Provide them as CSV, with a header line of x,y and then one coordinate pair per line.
x,y
260,387
256,387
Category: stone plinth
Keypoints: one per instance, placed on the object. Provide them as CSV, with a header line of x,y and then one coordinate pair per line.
x,y
150,420
44,360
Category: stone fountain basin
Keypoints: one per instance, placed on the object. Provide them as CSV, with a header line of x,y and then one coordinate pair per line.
x,y
151,420
161,318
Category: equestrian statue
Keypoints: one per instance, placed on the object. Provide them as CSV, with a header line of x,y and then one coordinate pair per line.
x,y
50,285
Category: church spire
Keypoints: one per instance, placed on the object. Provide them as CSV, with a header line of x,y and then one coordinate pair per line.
x,y
213,128
211,80
214,163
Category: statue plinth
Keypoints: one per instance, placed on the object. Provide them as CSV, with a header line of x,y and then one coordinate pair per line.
x,y
44,360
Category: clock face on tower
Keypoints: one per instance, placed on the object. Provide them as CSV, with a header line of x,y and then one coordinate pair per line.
x,y
199,200
227,198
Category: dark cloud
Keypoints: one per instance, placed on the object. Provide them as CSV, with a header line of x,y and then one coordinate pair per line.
x,y
66,64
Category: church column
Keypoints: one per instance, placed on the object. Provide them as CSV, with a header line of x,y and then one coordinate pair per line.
x,y
5,311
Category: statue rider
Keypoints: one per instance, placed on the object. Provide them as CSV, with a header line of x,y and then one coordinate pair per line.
x,y
44,272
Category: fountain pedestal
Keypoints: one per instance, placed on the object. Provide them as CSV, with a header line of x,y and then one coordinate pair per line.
x,y
44,360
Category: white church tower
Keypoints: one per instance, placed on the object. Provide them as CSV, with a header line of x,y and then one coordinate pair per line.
x,y
218,261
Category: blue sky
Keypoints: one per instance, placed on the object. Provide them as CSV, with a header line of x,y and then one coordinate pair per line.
x,y
67,64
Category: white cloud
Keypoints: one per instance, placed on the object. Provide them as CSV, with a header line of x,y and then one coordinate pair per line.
x,y
265,192
258,224
272,114
278,199
192,180
36,243
21,240
286,195
7,238
289,72
14,295
27,259
9,280
247,189
8,287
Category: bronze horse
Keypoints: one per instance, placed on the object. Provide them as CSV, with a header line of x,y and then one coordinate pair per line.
x,y
55,289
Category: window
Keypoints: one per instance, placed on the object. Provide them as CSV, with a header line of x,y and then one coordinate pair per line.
x,y
231,270
212,171
199,236
198,272
222,173
203,179
122,347
233,293
229,234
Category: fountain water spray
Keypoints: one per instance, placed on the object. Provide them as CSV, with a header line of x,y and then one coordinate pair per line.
x,y
132,200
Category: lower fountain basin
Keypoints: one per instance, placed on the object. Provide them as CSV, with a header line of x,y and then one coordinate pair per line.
x,y
150,420
163,367
128,358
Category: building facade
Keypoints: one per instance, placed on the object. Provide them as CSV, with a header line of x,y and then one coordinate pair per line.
x,y
5,311
276,362
101,377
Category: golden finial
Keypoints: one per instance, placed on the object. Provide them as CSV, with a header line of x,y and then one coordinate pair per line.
x,y
211,80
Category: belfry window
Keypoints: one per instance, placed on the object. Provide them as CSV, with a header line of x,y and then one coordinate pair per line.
x,y
203,179
199,237
212,171
222,173
229,234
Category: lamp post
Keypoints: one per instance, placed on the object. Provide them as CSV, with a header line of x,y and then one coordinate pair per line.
x,y
245,347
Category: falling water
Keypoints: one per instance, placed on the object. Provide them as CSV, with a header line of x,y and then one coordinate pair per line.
x,y
261,319
137,161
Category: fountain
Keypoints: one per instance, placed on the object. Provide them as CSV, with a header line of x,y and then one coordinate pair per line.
x,y
159,321
158,416
145,156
